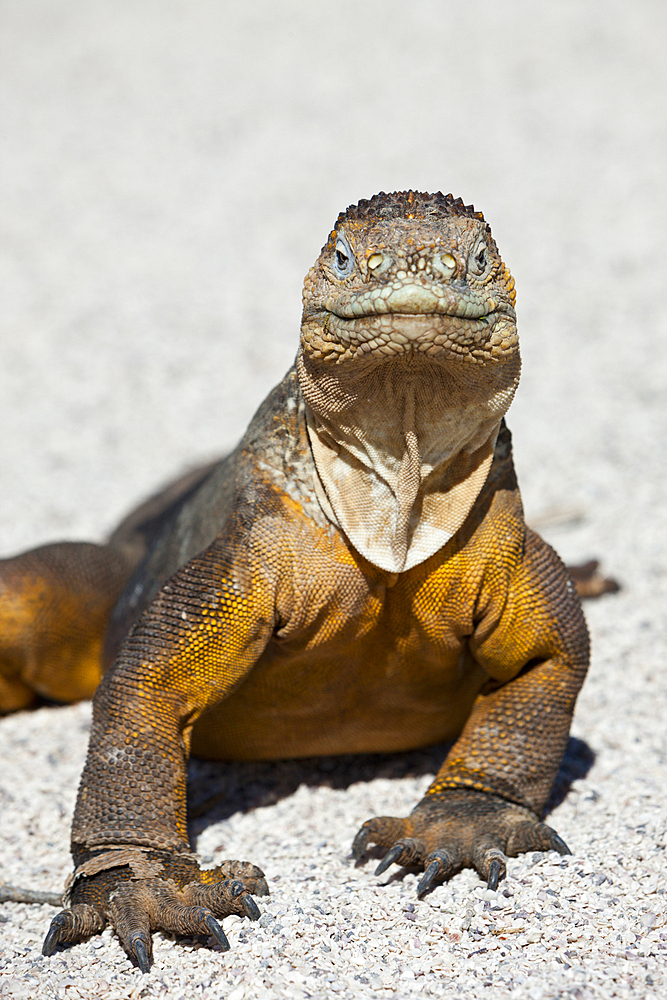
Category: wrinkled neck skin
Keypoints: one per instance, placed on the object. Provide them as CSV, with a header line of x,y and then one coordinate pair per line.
x,y
403,446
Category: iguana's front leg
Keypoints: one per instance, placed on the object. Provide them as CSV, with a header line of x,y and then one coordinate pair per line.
x,y
476,812
487,799
135,869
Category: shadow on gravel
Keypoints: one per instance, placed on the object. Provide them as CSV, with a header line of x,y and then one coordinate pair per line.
x,y
218,790
577,762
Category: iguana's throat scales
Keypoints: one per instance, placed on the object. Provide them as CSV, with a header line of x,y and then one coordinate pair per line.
x,y
403,447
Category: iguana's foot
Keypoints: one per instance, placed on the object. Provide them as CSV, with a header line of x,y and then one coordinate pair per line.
x,y
590,583
155,890
457,829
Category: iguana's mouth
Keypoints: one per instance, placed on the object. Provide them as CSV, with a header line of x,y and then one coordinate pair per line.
x,y
436,314
436,334
413,299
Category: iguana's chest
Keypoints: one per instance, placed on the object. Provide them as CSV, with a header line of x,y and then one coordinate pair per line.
x,y
360,661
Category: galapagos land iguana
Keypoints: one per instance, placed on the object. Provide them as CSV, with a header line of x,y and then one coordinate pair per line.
x,y
356,576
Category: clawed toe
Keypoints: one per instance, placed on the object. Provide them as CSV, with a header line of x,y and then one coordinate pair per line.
x,y
250,907
428,878
536,837
260,888
392,855
141,950
558,844
72,925
361,842
494,874
223,898
52,939
439,866
217,931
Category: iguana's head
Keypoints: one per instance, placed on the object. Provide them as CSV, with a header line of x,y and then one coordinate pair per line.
x,y
409,274
409,359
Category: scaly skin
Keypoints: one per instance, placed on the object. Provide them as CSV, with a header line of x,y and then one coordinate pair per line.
x,y
56,602
368,584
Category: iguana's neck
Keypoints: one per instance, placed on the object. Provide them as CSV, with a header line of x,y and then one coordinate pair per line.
x,y
403,447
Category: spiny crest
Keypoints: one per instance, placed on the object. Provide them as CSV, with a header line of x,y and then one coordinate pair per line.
x,y
408,204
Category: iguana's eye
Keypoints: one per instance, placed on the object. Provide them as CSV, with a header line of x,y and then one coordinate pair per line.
x,y
479,259
343,262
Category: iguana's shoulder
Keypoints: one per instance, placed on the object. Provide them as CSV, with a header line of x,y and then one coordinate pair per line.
x,y
272,461
275,452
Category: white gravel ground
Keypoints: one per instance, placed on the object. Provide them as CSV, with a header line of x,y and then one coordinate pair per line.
x,y
169,171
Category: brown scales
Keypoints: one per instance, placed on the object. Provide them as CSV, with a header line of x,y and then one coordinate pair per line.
x,y
270,621
404,204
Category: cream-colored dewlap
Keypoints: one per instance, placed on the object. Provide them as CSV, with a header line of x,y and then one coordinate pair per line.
x,y
403,449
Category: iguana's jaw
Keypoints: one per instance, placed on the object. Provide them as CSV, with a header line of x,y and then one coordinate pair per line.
x,y
408,361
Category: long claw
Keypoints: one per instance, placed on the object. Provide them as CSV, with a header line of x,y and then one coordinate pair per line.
x,y
261,888
360,842
494,874
558,844
141,954
428,878
251,908
52,939
393,854
217,931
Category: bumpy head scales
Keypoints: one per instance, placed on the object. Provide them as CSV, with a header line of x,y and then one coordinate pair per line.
x,y
407,205
409,272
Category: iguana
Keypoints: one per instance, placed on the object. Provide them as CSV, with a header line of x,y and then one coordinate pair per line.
x,y
356,576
